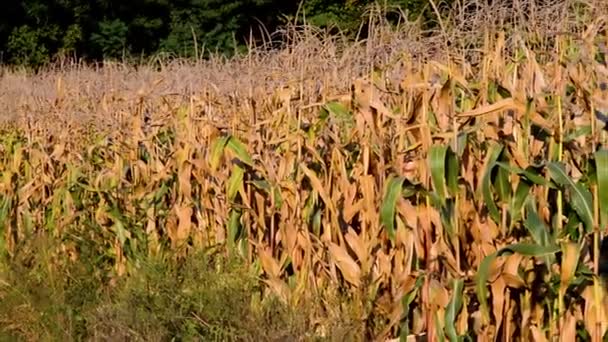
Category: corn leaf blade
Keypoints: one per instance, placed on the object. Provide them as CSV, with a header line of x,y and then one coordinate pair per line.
x,y
437,161
601,160
580,196
389,204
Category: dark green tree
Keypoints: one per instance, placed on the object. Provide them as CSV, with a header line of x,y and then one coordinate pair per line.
x,y
216,24
34,32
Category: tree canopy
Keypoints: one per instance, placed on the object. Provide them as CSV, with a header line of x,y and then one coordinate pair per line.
x,y
33,32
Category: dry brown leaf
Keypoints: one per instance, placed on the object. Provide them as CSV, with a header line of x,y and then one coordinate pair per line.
x,y
500,105
510,323
518,156
383,267
498,300
439,295
269,264
452,72
513,281
595,321
571,252
477,322
184,217
408,212
349,268
290,236
352,209
462,323
537,334
567,331
534,76
317,185
512,263
368,193
367,99
356,243
443,106
260,205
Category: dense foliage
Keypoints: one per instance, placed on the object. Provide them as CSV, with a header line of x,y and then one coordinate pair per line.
x,y
33,32
420,185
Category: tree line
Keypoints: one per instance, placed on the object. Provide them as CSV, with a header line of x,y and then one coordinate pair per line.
x,y
33,32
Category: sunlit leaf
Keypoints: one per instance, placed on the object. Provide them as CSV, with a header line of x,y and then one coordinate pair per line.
x,y
580,197
349,268
601,161
437,161
578,132
235,182
217,151
453,308
338,109
519,199
240,150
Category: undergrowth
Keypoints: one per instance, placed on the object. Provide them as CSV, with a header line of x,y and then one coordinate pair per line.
x,y
206,296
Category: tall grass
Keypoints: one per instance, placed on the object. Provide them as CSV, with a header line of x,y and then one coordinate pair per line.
x,y
445,184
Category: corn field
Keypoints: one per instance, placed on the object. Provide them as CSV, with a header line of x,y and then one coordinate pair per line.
x,y
451,195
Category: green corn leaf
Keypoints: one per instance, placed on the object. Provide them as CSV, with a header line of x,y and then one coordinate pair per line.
x,y
438,328
389,204
323,115
530,249
517,202
234,226
453,308
410,190
571,227
5,208
262,185
446,213
318,125
338,109
601,160
316,222
235,182
580,197
461,141
580,131
537,227
238,148
119,227
309,205
269,189
482,278
486,187
503,185
278,198
529,173
164,189
437,158
409,297
217,151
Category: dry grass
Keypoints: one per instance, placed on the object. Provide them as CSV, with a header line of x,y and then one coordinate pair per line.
x,y
392,171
